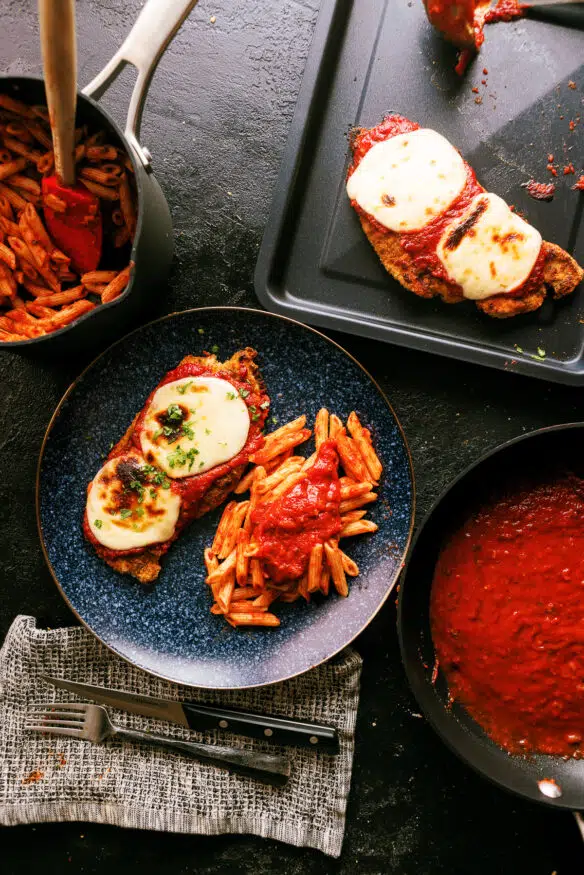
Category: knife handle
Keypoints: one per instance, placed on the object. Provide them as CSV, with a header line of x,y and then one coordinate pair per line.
x,y
277,730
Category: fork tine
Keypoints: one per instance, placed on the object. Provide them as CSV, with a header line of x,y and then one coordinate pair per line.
x,y
50,715
74,733
59,722
64,706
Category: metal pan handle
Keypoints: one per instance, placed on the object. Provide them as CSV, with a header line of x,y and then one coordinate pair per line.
x,y
155,27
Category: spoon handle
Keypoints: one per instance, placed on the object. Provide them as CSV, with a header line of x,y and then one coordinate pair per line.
x,y
57,30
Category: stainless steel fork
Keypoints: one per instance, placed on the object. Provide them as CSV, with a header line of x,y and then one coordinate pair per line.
x,y
92,723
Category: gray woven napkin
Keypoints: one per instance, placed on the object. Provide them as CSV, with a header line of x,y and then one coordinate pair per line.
x,y
47,778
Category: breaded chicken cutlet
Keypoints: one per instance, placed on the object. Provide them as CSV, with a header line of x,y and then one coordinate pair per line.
x,y
440,234
182,455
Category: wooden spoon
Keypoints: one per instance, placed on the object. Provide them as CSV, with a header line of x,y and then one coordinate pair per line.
x,y
71,211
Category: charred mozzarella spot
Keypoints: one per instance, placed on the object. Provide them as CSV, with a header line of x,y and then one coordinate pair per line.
x,y
489,250
194,424
127,508
421,172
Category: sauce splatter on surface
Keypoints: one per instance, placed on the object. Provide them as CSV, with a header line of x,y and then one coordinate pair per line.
x,y
35,776
540,191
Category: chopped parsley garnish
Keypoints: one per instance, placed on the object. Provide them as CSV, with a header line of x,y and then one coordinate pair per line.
x,y
157,434
153,493
174,413
135,484
541,352
207,431
188,431
255,417
275,420
215,348
168,430
201,330
201,464
182,389
230,396
98,524
244,393
253,408
139,511
264,405
179,457
125,513
159,478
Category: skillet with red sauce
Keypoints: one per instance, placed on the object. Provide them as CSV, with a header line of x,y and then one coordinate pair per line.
x,y
543,457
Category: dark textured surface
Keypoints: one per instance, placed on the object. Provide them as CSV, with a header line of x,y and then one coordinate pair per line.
x,y
216,121
167,628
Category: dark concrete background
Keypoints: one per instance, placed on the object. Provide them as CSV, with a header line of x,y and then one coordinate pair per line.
x,y
216,123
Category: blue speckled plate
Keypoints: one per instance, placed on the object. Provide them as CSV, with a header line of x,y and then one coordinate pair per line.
x,y
167,629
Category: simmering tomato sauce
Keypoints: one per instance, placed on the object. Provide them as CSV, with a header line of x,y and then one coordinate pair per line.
x,y
308,514
422,245
507,618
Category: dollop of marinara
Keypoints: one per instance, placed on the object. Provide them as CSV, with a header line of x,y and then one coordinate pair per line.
x,y
421,245
289,527
507,618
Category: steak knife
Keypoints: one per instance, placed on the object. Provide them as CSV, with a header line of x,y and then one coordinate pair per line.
x,y
277,730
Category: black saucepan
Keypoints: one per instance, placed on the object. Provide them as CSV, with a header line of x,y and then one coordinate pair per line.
x,y
547,779
153,245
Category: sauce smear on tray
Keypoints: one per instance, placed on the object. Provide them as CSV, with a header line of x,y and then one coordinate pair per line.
x,y
507,615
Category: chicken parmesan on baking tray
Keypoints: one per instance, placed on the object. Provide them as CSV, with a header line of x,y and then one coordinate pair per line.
x,y
184,452
439,233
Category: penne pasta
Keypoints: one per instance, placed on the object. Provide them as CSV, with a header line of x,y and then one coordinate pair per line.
x,y
351,489
351,459
235,522
254,619
115,288
223,527
211,561
102,191
12,167
358,528
362,438
242,586
321,427
358,501
7,256
241,559
336,427
74,294
285,442
335,563
351,568
315,568
127,206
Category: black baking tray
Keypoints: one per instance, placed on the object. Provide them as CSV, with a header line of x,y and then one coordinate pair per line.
x,y
370,57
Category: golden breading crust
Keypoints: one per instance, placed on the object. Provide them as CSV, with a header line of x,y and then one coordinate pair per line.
x,y
145,566
562,273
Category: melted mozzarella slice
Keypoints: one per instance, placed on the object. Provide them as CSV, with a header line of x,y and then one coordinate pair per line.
x,y
408,180
126,508
489,250
194,424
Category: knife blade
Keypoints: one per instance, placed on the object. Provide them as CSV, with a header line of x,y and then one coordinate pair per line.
x,y
275,729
